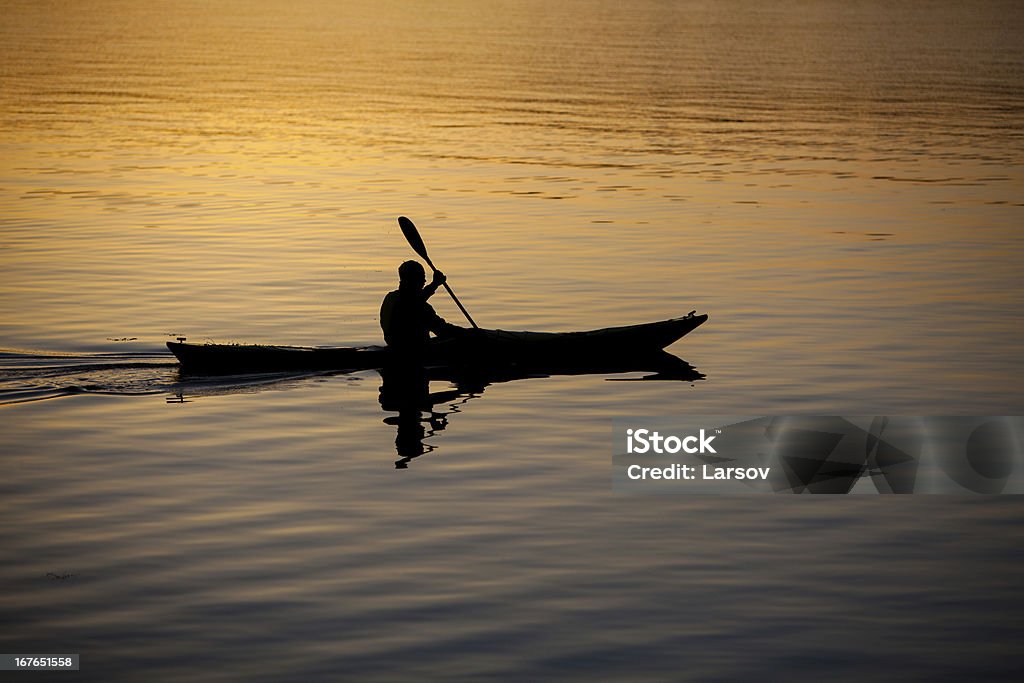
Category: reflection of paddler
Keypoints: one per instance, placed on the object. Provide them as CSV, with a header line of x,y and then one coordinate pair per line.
x,y
405,389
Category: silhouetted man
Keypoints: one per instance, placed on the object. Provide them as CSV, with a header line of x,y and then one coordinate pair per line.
x,y
405,316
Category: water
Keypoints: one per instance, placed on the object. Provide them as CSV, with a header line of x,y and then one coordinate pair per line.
x,y
837,184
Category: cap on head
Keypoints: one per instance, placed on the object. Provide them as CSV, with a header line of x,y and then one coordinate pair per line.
x,y
412,271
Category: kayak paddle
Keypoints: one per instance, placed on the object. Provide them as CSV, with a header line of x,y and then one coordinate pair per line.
x,y
416,242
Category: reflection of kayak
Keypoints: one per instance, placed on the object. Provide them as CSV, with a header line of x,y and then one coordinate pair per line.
x,y
661,365
474,347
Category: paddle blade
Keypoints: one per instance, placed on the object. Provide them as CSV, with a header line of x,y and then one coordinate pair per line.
x,y
412,235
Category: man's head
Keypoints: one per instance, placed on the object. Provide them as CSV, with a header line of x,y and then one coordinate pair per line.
x,y
411,275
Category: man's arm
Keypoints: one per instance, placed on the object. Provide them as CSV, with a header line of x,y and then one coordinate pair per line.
x,y
439,279
436,323
440,326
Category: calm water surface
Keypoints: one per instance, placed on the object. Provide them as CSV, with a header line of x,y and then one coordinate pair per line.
x,y
839,185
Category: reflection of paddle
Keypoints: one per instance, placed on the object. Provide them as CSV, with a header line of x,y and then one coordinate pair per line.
x,y
416,242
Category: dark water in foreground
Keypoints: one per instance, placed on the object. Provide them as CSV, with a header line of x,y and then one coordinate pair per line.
x,y
837,184
258,529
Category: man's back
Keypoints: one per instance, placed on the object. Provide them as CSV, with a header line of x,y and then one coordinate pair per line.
x,y
406,319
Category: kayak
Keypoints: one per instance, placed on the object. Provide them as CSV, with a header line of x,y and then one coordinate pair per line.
x,y
472,348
